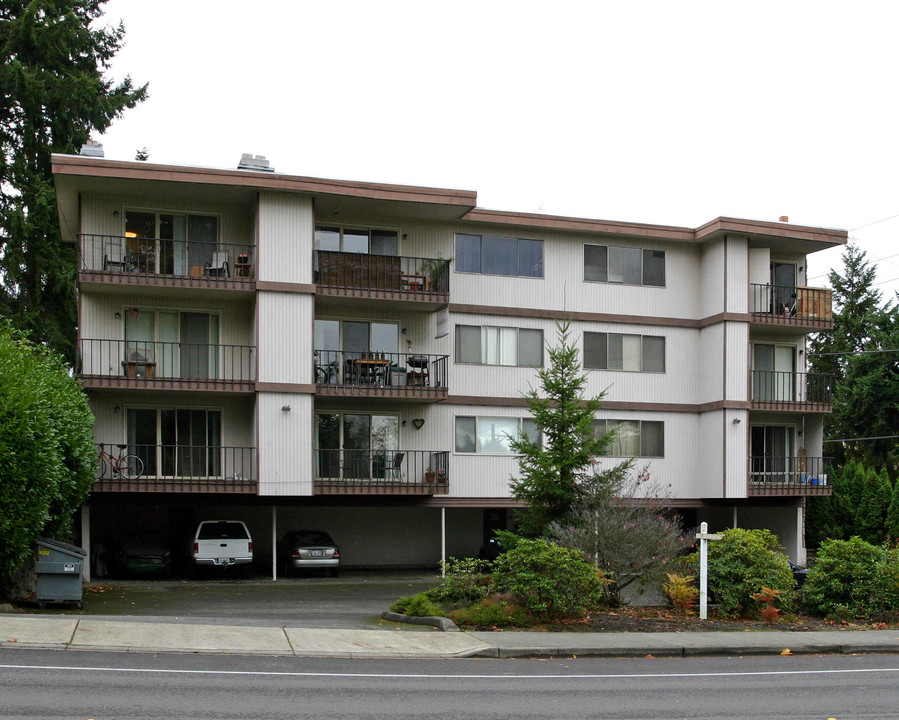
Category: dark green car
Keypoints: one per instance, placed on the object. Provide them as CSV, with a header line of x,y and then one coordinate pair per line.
x,y
145,555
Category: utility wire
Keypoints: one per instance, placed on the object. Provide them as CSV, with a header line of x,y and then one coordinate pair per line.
x,y
880,437
876,222
854,352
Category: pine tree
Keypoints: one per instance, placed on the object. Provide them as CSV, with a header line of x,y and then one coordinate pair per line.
x,y
891,526
53,95
555,470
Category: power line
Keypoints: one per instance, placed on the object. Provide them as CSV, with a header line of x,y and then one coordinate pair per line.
x,y
876,222
854,352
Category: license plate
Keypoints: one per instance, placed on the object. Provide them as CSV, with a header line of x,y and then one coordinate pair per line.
x,y
317,553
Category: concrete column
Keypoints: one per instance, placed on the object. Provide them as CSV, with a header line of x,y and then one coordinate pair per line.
x,y
86,541
442,542
274,542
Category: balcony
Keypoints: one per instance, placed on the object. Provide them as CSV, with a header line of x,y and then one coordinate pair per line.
x,y
170,263
387,277
179,469
166,365
805,307
378,374
791,391
380,472
788,476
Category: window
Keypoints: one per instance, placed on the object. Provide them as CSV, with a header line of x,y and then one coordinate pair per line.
x,y
617,351
356,240
353,445
176,442
633,438
170,243
486,345
491,434
627,266
172,344
495,255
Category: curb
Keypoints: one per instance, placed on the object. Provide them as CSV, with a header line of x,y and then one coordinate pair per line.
x,y
439,623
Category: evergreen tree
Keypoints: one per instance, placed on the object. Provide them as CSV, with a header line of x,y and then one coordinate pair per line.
x,y
53,95
891,526
554,473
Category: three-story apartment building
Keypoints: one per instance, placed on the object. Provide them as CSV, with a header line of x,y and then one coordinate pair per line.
x,y
298,352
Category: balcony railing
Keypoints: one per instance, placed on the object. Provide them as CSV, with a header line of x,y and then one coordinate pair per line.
x,y
180,468
413,275
791,305
380,369
785,390
381,471
769,475
171,258
167,360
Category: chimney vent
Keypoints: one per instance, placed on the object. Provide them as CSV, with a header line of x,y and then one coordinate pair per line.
x,y
92,149
258,163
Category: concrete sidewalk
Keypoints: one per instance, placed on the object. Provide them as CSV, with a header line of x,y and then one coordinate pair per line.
x,y
76,633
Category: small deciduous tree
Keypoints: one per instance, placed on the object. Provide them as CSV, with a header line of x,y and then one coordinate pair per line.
x,y
47,454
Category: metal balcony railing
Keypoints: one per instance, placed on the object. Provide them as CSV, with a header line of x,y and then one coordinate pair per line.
x,y
781,389
374,470
380,369
173,360
173,258
770,471
381,272
172,467
791,305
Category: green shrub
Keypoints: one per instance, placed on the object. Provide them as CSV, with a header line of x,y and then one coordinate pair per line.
x,y
885,586
419,605
841,580
495,611
740,565
548,580
465,581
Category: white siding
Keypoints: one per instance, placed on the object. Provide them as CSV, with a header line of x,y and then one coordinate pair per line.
x,y
285,238
737,275
285,460
285,337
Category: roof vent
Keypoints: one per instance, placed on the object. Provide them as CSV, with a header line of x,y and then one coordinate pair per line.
x,y
248,161
92,149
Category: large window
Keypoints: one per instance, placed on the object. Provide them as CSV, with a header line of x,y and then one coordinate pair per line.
x,y
171,343
496,255
353,445
633,438
370,241
486,345
624,265
176,442
170,243
492,434
618,351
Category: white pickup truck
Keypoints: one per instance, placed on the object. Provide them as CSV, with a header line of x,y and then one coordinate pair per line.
x,y
222,543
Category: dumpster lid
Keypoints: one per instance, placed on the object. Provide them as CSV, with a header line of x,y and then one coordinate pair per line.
x,y
59,545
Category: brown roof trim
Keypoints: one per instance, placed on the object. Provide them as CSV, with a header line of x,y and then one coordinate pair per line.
x,y
722,225
598,317
98,167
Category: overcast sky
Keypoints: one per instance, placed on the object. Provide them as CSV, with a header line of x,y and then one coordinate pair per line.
x,y
654,112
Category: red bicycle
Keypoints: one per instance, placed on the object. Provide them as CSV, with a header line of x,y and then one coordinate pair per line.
x,y
130,467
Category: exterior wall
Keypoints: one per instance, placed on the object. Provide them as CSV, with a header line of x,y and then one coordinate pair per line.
x,y
284,342
285,238
737,275
284,440
760,265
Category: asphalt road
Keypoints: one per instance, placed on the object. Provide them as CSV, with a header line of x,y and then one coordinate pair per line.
x,y
54,684
354,600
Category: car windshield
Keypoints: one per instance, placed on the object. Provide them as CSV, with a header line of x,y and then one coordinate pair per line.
x,y
222,530
313,537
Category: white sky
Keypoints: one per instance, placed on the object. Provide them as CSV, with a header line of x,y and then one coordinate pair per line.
x,y
656,112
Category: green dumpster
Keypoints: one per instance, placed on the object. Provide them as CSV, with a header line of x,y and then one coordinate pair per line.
x,y
57,570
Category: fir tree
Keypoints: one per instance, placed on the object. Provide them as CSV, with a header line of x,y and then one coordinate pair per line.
x,y
53,95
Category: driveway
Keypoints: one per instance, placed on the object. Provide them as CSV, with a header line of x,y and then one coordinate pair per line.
x,y
354,600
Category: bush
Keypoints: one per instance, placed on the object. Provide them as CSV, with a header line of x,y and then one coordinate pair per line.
x,y
465,581
885,587
548,580
495,611
418,606
840,582
681,593
740,565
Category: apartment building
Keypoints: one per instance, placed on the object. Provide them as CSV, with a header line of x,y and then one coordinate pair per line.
x,y
300,352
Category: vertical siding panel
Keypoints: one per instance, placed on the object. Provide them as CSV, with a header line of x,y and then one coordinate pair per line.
x,y
285,238
285,460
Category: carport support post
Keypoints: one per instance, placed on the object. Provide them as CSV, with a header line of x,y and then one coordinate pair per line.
x,y
86,541
443,542
274,545
704,536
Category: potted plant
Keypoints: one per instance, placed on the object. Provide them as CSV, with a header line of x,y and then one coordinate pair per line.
x,y
430,475
435,272
441,475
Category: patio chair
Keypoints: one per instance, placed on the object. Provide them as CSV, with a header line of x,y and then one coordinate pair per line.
x,y
394,467
219,266
115,258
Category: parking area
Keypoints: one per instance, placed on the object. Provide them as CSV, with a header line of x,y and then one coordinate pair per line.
x,y
354,600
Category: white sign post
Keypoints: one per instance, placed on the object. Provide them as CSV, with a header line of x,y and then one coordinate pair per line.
x,y
704,536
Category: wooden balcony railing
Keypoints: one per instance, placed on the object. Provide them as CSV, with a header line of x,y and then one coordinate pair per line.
x,y
135,359
788,305
771,475
416,276
380,369
381,471
111,254
774,390
180,468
